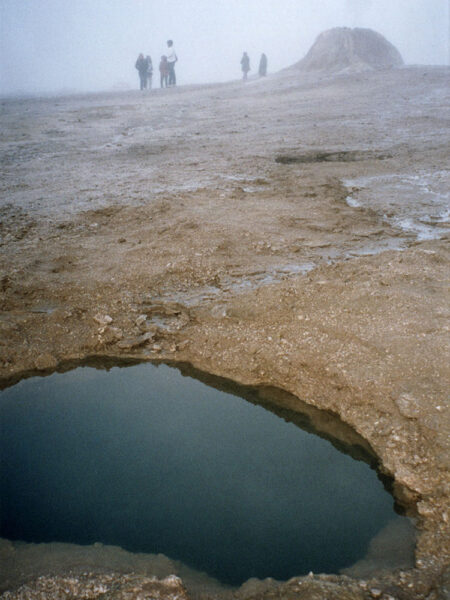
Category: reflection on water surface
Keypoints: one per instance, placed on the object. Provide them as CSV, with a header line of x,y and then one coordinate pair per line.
x,y
152,461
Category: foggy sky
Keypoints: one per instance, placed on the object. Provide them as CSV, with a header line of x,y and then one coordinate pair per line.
x,y
84,45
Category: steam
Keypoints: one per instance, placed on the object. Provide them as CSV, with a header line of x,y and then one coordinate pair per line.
x,y
357,11
49,46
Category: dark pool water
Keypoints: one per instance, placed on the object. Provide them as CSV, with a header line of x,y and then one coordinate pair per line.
x,y
150,460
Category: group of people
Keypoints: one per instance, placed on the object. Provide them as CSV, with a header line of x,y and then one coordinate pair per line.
x,y
168,78
144,66
245,65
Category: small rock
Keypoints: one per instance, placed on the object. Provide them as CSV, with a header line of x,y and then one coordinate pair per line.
x,y
111,335
172,580
408,406
171,588
375,592
102,319
425,509
140,320
130,343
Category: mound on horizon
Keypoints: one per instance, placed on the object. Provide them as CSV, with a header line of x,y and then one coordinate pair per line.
x,y
343,48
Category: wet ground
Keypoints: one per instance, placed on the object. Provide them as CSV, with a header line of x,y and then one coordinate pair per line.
x,y
290,233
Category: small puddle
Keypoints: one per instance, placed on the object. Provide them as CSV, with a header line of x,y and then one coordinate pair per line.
x,y
155,461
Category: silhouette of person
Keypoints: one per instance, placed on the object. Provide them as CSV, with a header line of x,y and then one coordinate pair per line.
x,y
164,70
171,59
141,66
245,65
263,65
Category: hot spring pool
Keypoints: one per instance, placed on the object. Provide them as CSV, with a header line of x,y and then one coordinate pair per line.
x,y
153,461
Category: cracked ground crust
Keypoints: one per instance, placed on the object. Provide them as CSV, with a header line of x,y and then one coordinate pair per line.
x,y
170,215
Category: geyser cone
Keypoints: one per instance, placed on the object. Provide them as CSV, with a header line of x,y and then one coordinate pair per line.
x,y
344,48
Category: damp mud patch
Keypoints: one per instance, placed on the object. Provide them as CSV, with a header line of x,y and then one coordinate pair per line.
x,y
149,459
341,156
416,205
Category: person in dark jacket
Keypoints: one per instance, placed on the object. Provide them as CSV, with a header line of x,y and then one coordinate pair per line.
x,y
245,65
142,67
164,70
263,65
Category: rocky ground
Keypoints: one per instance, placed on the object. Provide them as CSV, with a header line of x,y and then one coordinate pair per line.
x,y
289,232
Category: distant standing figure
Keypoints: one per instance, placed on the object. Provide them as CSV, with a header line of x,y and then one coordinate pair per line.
x,y
171,59
141,66
245,65
149,71
164,70
263,65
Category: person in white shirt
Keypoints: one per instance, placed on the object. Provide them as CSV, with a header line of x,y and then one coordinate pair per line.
x,y
171,59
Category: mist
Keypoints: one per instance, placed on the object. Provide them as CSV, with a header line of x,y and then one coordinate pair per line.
x,y
54,46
